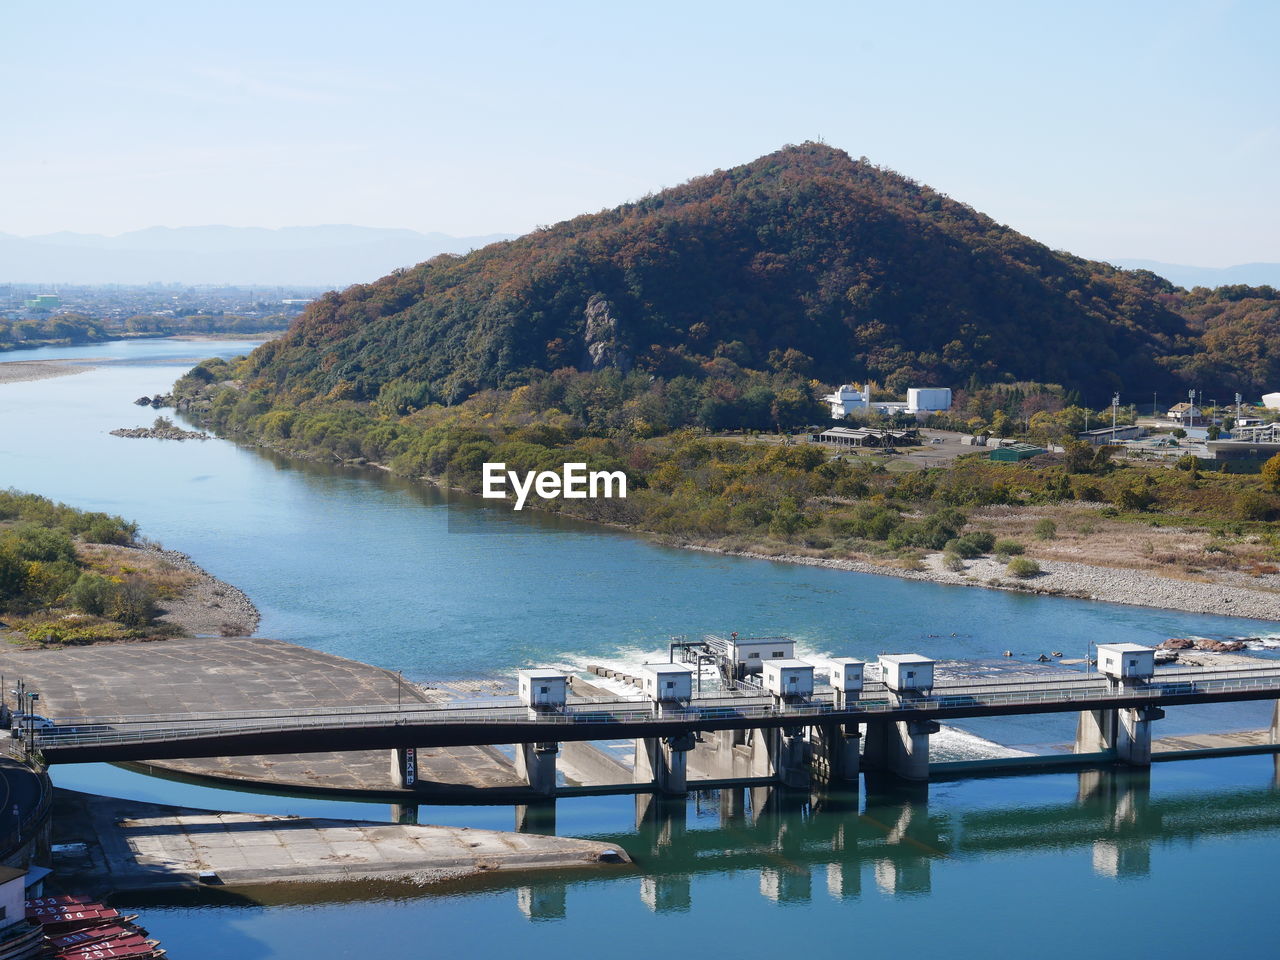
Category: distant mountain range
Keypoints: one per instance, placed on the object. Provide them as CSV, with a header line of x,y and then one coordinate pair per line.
x,y
1251,274
333,255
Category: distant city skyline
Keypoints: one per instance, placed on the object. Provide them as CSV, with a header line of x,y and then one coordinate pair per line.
x,y
1146,130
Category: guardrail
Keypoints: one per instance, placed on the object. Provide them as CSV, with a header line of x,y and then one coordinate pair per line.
x,y
630,711
25,830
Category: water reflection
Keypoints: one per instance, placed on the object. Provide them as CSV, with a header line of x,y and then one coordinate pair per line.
x,y
799,845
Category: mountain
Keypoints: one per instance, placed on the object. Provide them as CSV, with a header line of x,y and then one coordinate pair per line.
x,y
804,259
324,256
1252,274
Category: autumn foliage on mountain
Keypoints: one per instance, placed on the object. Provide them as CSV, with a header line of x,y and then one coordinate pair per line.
x,y
804,264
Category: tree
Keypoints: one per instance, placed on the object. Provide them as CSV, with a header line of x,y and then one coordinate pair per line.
x,y
1271,472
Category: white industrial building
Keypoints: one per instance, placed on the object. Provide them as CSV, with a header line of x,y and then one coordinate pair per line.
x,y
845,674
906,671
747,653
788,678
1271,401
928,399
846,400
543,688
665,682
1126,661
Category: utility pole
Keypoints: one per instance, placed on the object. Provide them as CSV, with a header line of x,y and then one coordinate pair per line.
x,y
1115,406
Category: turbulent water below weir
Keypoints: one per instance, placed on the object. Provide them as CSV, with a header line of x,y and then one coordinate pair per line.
x,y
363,565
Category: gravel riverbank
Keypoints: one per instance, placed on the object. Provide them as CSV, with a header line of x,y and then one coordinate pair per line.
x,y
1086,581
210,607
23,371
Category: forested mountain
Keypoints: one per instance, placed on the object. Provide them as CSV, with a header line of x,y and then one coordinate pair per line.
x,y
804,264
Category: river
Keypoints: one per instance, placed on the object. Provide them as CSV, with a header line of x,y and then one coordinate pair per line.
x,y
364,565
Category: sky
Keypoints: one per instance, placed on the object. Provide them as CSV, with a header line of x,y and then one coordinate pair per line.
x,y
1113,130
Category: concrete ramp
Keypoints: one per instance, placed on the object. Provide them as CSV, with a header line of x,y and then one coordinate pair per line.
x,y
133,846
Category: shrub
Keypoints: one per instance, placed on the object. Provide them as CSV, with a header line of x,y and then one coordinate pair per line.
x,y
1133,498
981,539
132,603
1271,472
952,561
35,543
92,594
1009,548
1251,505
1046,529
1023,568
970,545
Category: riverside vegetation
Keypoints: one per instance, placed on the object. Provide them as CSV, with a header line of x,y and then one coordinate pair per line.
x,y
756,493
638,338
68,576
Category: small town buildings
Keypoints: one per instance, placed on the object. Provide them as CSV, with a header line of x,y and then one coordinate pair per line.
x,y
1185,414
543,688
928,399
906,671
846,400
788,678
1271,401
666,682
1126,661
1015,452
1105,436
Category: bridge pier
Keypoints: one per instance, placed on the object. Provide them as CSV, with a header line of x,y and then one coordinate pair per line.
x,y
899,747
661,820
536,764
1275,723
406,813
781,754
1126,731
537,817
664,762
834,752
404,767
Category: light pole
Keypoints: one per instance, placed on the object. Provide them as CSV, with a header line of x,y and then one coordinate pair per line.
x,y
31,721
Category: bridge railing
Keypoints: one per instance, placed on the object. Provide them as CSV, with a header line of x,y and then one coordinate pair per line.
x,y
728,706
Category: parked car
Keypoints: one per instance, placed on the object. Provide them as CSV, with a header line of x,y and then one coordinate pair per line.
x,y
20,721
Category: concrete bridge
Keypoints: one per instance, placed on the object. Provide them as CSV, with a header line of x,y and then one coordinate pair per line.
x,y
736,737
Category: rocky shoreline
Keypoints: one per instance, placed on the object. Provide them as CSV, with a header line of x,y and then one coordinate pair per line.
x,y
169,432
1140,588
210,607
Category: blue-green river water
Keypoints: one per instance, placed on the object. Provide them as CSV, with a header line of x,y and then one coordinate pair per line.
x,y
366,566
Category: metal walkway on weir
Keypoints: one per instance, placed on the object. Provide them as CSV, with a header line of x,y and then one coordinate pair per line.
x,y
506,720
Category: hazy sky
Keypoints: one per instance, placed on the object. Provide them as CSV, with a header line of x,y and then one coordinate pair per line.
x,y
1108,129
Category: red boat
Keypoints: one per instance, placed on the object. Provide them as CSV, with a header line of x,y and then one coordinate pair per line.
x,y
56,901
58,924
138,950
93,935
84,949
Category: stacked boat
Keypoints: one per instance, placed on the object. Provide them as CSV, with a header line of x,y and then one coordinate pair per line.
x,y
78,928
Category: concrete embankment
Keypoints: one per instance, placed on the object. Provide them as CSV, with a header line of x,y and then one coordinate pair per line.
x,y
105,844
224,674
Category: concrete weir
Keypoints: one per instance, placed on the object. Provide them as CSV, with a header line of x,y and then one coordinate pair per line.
x,y
133,846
